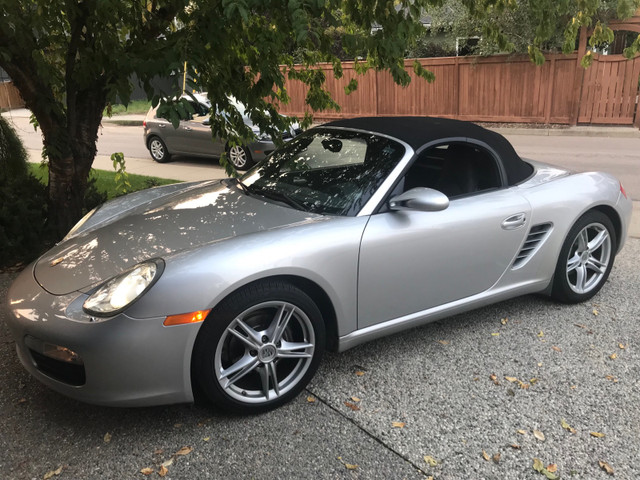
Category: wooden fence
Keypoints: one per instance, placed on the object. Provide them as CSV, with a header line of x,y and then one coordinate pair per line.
x,y
9,96
499,88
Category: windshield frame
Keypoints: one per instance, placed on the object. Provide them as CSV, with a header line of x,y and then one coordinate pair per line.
x,y
371,205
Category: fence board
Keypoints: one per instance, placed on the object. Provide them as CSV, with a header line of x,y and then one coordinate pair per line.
x,y
9,96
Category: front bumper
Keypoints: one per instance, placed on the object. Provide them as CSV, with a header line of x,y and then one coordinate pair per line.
x,y
126,361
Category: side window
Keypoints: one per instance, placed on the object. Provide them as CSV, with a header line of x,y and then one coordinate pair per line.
x,y
455,169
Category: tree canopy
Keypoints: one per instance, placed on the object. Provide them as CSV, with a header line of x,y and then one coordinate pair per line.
x,y
69,59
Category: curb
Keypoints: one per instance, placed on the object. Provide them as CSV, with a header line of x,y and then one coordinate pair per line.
x,y
570,132
123,123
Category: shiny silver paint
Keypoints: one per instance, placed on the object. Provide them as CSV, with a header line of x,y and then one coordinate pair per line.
x,y
382,272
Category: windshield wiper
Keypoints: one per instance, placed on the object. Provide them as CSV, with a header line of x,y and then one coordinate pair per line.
x,y
277,196
235,182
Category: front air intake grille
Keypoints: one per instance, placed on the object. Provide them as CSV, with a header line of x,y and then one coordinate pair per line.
x,y
536,235
61,371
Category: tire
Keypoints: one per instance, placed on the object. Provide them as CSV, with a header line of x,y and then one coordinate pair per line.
x,y
259,348
240,157
586,258
158,150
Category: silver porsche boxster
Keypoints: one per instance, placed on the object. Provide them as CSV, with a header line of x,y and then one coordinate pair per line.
x,y
352,230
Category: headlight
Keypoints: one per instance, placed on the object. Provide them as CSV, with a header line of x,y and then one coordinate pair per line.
x,y
77,226
115,295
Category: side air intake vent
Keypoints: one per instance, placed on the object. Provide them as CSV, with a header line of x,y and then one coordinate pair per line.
x,y
536,235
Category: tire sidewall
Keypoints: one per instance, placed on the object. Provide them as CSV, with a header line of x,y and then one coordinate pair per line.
x,y
561,289
219,319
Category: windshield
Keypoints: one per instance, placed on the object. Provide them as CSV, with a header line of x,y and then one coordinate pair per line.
x,y
326,171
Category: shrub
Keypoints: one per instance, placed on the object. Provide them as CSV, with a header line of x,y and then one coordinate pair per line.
x,y
23,200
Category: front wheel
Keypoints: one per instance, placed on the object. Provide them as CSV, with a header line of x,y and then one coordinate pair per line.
x,y
586,258
259,348
240,157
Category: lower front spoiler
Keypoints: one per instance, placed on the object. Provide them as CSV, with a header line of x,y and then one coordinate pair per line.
x,y
127,362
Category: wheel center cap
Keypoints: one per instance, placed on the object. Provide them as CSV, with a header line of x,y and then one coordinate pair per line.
x,y
585,256
267,353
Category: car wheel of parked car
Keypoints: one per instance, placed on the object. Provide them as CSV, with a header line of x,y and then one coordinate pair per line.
x,y
158,150
240,157
259,348
586,258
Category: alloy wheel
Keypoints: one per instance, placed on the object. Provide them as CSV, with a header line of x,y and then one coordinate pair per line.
x,y
588,258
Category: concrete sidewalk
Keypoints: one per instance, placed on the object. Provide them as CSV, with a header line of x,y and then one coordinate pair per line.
x,y
130,120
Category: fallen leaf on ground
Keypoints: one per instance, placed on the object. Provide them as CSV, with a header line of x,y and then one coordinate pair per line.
x,y
573,387
533,381
552,467
184,451
359,373
145,471
496,334
566,426
443,342
622,346
522,432
557,349
541,334
612,378
539,435
22,400
486,456
540,364
158,451
496,458
355,399
206,439
430,460
597,434
515,446
595,312
511,379
494,378
168,463
352,406
348,466
523,385
107,437
538,466
163,471
52,473
606,467
504,321
177,425
398,424
311,399
613,356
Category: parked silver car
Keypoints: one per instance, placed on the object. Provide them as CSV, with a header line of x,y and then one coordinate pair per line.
x,y
193,137
353,230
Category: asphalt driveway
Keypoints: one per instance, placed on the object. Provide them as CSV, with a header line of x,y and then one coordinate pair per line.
x,y
433,401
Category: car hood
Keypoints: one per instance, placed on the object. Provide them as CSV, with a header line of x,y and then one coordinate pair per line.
x,y
160,227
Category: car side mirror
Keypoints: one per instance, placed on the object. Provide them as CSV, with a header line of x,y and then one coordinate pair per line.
x,y
206,122
420,198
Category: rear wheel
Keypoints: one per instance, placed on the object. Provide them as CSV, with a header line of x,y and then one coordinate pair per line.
x,y
259,348
158,150
586,258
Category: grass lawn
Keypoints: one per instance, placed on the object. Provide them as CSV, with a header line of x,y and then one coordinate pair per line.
x,y
105,180
135,106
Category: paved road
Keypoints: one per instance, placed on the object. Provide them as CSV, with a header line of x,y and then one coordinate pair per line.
x,y
436,380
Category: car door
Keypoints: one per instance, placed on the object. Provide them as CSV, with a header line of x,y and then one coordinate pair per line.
x,y
196,139
411,261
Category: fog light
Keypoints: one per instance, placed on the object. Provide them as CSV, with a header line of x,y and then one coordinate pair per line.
x,y
55,352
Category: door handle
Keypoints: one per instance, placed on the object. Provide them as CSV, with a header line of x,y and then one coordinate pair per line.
x,y
514,221
162,125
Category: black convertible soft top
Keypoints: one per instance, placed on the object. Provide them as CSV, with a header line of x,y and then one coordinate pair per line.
x,y
418,131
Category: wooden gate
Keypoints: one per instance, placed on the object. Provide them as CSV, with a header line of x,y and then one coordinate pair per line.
x,y
610,91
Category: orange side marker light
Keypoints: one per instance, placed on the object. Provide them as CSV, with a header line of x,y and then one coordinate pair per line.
x,y
184,318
